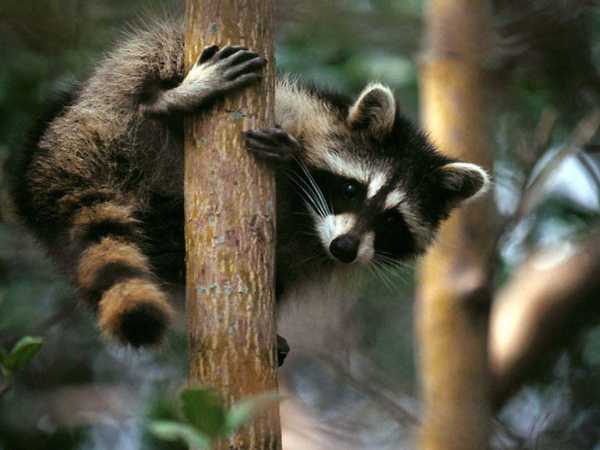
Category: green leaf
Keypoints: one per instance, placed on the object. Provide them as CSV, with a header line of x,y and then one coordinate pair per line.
x,y
245,410
22,352
204,410
174,431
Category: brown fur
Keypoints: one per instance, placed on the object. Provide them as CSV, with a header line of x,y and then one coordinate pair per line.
x,y
127,297
109,250
102,212
82,181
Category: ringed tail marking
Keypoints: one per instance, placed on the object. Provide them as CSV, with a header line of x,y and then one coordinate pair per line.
x,y
115,276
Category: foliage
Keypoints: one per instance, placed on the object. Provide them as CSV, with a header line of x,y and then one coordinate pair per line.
x,y
20,355
207,419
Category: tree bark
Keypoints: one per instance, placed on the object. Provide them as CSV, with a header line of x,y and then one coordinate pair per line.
x,y
454,283
230,226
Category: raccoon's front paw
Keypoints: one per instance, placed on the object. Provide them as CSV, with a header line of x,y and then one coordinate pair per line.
x,y
226,69
215,74
272,144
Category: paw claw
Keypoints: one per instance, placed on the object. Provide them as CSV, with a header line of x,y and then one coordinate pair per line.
x,y
229,50
272,144
208,53
249,66
222,70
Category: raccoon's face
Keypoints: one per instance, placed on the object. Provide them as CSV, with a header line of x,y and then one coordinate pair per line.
x,y
375,188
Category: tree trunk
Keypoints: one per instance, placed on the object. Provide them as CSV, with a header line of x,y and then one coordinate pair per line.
x,y
454,289
230,226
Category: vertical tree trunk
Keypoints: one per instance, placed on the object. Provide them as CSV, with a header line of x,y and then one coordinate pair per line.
x,y
451,318
230,225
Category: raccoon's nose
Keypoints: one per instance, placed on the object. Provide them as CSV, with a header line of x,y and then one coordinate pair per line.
x,y
344,248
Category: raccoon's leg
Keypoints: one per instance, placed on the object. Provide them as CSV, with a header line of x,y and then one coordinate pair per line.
x,y
216,73
113,274
283,349
273,144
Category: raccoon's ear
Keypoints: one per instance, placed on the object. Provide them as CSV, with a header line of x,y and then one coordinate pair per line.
x,y
375,109
460,181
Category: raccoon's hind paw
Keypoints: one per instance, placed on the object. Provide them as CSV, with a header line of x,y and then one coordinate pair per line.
x,y
272,144
135,312
230,68
283,348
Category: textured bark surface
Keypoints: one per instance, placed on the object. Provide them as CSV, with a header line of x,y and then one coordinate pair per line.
x,y
230,226
453,293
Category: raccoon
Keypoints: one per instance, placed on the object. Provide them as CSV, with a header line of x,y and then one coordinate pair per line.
x,y
101,184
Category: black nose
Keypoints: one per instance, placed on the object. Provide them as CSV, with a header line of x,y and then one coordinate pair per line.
x,y
344,248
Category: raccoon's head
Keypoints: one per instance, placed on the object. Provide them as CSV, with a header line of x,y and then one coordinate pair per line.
x,y
375,187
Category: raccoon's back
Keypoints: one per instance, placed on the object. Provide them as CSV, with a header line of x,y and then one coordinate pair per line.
x,y
101,185
21,158
93,134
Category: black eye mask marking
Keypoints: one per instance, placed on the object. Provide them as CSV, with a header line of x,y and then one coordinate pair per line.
x,y
393,238
343,194
350,189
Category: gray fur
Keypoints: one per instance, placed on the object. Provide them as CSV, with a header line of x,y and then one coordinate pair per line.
x,y
92,183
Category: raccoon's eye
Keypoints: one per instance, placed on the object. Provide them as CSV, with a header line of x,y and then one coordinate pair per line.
x,y
392,218
350,190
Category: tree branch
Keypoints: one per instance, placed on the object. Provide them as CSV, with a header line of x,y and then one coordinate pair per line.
x,y
536,311
584,132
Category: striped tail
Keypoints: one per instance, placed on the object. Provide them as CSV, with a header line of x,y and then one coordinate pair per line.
x,y
115,277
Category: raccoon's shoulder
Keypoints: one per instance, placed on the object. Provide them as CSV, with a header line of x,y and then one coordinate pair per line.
x,y
304,108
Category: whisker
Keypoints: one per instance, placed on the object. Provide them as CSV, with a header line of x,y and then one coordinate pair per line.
x,y
307,189
310,233
388,260
395,270
309,200
316,187
392,282
381,275
318,196
304,261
